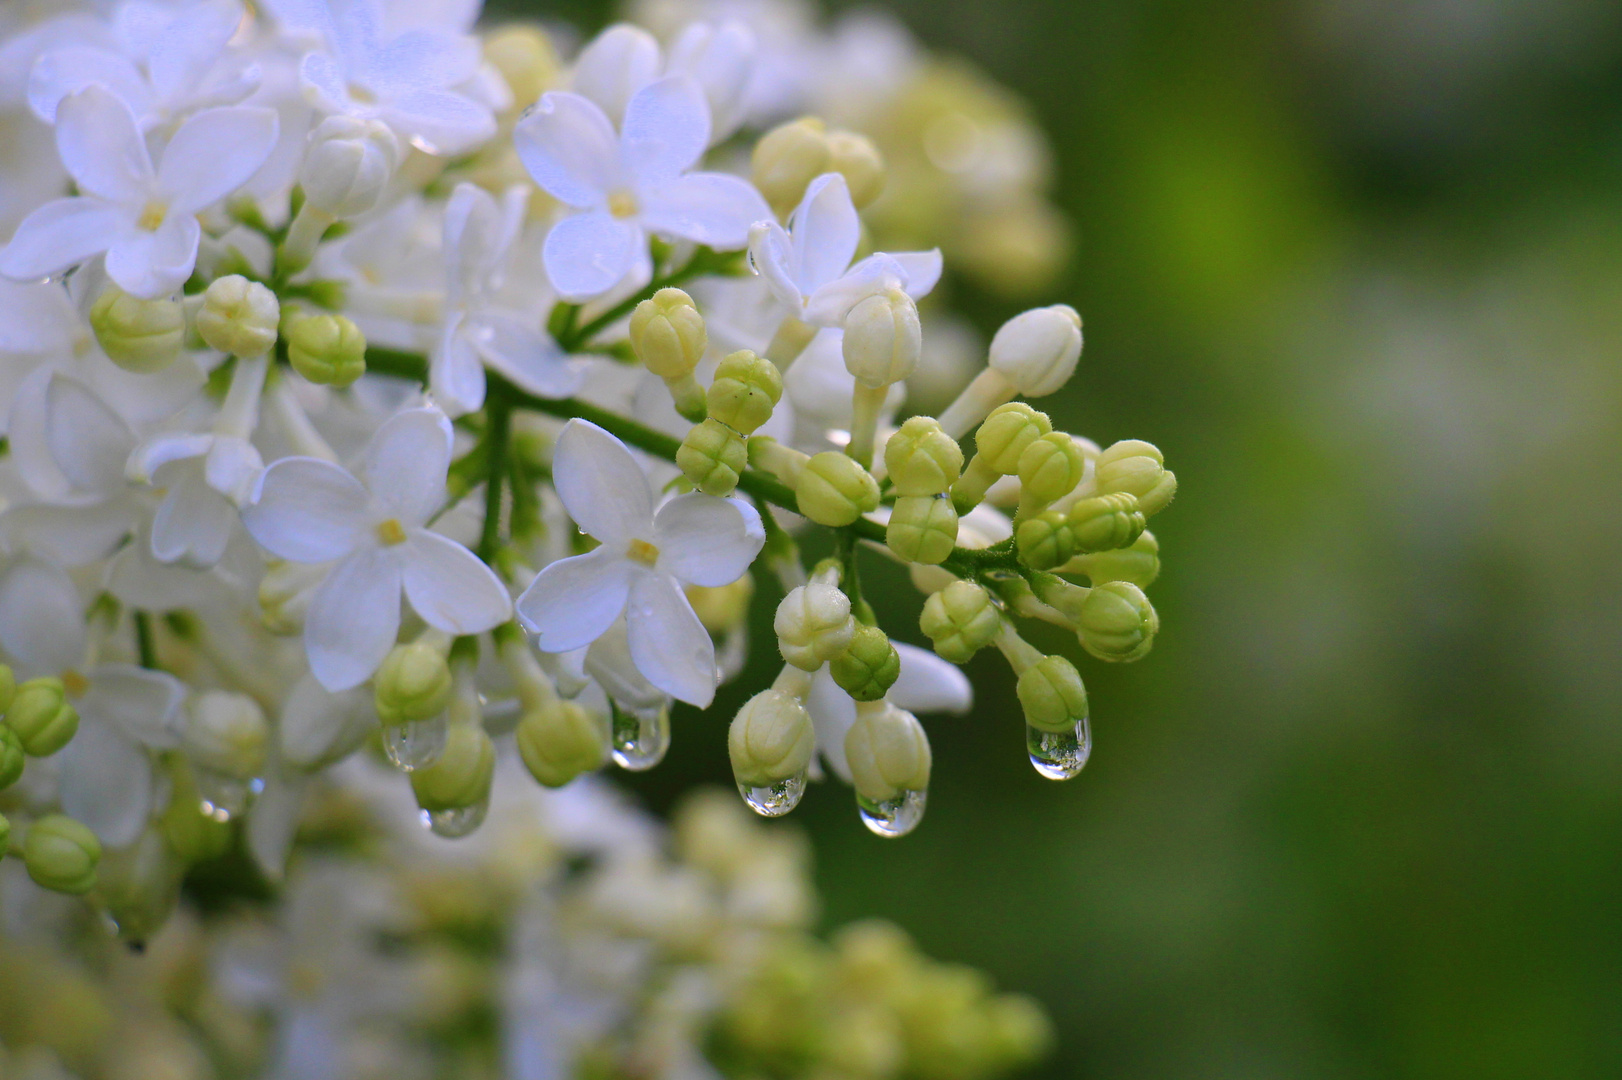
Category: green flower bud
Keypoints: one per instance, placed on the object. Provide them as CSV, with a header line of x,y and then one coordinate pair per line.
x,y
1138,564
1021,1029
194,835
960,620
922,459
834,490
1050,467
786,160
460,776
722,607
869,667
12,758
1116,622
326,349
1137,467
922,529
1051,693
140,885
561,741
1007,433
1045,542
8,687
745,389
813,625
888,752
1037,351
1105,522
227,733
855,158
138,335
239,317
713,456
413,683
883,339
668,334
770,740
61,855
42,716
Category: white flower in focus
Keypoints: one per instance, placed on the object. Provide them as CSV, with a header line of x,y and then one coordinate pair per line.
x,y
204,479
311,511
641,562
926,684
143,218
479,236
626,185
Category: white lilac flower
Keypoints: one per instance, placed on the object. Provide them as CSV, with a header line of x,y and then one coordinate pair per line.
x,y
624,185
143,218
312,511
642,560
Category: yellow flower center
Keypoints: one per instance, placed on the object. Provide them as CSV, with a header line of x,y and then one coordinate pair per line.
x,y
391,532
152,215
361,95
623,204
643,552
74,683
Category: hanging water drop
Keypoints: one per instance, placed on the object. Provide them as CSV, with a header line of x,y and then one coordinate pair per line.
x,y
456,822
774,800
640,740
221,796
1059,755
893,817
415,745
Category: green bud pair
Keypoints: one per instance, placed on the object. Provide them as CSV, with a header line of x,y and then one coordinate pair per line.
x,y
1049,468
460,776
770,740
413,683
887,751
1105,522
1052,695
12,757
562,740
43,718
1139,468
869,666
960,620
922,459
1005,435
61,855
713,456
328,350
834,490
138,335
746,389
922,529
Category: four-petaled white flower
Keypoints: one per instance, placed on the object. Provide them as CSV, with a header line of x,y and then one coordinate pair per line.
x,y
629,184
807,267
143,218
642,560
312,511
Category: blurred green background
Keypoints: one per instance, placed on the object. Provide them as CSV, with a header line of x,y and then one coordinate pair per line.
x,y
1355,266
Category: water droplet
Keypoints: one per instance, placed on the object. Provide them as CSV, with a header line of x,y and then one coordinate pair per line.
x,y
1059,755
640,742
223,797
456,823
415,745
894,817
774,800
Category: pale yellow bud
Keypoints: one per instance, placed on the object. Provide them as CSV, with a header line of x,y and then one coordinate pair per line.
x,y
883,339
1037,351
526,59
239,317
787,159
770,740
813,625
668,334
138,335
855,158
888,752
227,733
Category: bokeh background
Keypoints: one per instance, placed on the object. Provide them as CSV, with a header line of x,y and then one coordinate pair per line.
x,y
1355,266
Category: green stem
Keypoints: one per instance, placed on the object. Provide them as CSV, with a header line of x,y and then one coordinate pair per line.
x,y
704,261
500,413
146,647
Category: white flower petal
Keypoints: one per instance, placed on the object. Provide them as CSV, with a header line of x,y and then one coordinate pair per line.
x,y
570,149
63,72
101,147
669,646
106,782
601,485
274,822
69,535
439,122
154,264
36,318
608,660
707,208
771,253
232,467
455,376
832,713
929,684
423,59
573,601
193,523
354,618
530,359
88,441
407,461
161,450
666,129
829,305
307,510
319,727
41,618
143,705
722,59
191,44
214,153
450,587
707,541
826,232
923,270
614,66
61,234
589,253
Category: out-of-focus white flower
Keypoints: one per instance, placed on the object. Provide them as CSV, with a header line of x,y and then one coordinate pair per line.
x,y
721,59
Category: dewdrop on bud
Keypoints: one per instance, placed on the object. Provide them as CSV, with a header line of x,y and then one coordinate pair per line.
x,y
713,456
1105,522
326,349
813,625
921,459
745,390
561,741
1138,564
413,683
1116,622
460,777
770,743
348,165
239,317
668,336
834,490
922,529
786,160
960,620
1037,351
855,158
1057,736
882,339
869,666
889,759
43,718
1049,468
138,335
1045,542
1138,468
61,855
12,758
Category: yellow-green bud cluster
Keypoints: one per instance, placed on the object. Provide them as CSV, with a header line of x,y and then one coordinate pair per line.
x,y
560,740
869,666
887,751
1049,468
326,349
1004,436
771,739
960,620
789,157
814,625
413,683
61,855
460,776
713,456
239,317
669,337
923,463
1052,695
42,716
1101,523
1138,468
138,335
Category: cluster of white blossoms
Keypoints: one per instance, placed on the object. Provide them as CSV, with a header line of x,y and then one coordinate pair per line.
x,y
372,379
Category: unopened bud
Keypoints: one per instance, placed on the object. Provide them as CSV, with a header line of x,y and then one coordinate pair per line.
x,y
921,459
722,607
1050,468
668,335
834,490
922,529
960,620
239,317
1052,695
813,625
1116,622
140,885
1037,351
326,349
770,740
194,835
1007,433
460,776
348,165
855,158
138,335
42,716
1137,467
12,758
61,855
888,752
413,683
713,456
1045,542
560,741
746,389
1020,1028
1105,522
869,666
786,160
526,60
1138,564
227,733
882,339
